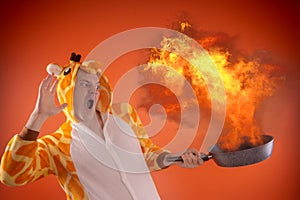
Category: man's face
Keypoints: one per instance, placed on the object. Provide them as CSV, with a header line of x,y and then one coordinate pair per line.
x,y
86,95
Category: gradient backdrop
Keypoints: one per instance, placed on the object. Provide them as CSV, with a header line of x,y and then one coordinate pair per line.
x,y
34,33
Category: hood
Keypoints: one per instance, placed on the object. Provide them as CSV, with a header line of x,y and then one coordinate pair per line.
x,y
66,76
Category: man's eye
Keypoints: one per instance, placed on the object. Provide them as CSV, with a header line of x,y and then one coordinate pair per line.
x,y
84,84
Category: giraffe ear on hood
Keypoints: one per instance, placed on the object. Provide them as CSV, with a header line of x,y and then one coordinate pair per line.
x,y
55,69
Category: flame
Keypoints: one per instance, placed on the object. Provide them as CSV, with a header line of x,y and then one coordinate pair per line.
x,y
247,84
184,25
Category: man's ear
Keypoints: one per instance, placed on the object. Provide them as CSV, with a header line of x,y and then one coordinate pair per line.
x,y
53,68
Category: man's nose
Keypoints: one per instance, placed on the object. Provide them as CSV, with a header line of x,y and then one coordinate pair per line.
x,y
93,91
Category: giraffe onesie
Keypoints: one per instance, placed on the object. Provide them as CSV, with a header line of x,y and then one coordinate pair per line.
x,y
26,161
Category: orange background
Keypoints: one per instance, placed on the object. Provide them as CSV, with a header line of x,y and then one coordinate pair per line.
x,y
34,33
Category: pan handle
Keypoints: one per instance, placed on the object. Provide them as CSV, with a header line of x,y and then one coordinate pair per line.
x,y
203,156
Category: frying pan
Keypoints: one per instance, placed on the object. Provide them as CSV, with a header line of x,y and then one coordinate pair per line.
x,y
240,157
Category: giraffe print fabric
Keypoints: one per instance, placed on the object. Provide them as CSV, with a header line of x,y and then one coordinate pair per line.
x,y
27,161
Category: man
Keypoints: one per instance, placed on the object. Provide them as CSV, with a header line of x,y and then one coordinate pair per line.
x,y
101,152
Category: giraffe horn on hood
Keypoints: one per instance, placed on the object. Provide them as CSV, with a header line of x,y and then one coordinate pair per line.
x,y
77,58
72,57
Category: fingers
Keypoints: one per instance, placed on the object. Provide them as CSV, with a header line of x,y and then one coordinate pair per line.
x,y
61,107
53,88
43,83
48,81
192,150
191,159
46,84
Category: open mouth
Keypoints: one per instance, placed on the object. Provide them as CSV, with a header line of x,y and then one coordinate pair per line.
x,y
90,103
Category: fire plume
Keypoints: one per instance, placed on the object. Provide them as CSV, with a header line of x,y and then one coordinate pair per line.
x,y
247,83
